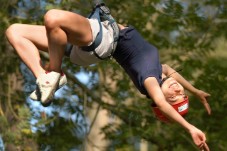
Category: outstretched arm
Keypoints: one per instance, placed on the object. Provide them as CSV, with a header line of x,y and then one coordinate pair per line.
x,y
156,94
167,70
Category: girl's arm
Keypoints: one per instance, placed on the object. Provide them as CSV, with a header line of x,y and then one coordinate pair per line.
x,y
155,92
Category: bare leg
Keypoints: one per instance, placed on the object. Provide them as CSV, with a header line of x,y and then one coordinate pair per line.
x,y
62,27
27,41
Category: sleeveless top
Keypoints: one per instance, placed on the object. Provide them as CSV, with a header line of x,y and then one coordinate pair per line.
x,y
139,58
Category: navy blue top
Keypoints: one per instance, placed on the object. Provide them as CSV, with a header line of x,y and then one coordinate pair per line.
x,y
139,59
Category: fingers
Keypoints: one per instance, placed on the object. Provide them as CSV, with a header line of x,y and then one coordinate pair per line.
x,y
207,94
205,103
204,147
207,106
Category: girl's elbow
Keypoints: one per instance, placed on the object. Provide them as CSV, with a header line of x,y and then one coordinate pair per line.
x,y
165,69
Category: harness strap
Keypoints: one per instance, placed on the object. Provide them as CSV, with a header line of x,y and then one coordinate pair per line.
x,y
113,24
98,39
102,13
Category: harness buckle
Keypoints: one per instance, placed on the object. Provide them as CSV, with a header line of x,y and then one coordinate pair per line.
x,y
105,9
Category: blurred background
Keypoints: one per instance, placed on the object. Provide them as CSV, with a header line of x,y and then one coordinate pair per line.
x,y
99,109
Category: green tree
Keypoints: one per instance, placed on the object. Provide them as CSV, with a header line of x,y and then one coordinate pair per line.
x,y
14,115
184,32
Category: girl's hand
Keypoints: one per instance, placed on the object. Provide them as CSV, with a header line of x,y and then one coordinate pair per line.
x,y
199,139
203,96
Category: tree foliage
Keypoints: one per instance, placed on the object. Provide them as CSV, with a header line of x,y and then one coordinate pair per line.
x,y
187,33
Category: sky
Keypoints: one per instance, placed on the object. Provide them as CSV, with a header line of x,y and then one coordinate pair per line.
x,y
2,148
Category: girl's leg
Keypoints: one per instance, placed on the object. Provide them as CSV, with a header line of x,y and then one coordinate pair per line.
x,y
27,41
62,27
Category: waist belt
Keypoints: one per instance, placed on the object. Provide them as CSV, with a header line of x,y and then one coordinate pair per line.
x,y
102,13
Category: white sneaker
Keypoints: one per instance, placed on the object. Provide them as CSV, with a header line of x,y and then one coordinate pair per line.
x,y
63,80
46,86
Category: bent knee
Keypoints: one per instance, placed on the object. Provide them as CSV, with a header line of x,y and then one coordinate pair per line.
x,y
12,32
52,18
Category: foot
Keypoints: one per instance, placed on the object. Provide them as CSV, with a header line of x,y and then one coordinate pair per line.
x,y
63,80
47,84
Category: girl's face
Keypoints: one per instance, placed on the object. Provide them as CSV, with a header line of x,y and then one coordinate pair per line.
x,y
173,91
